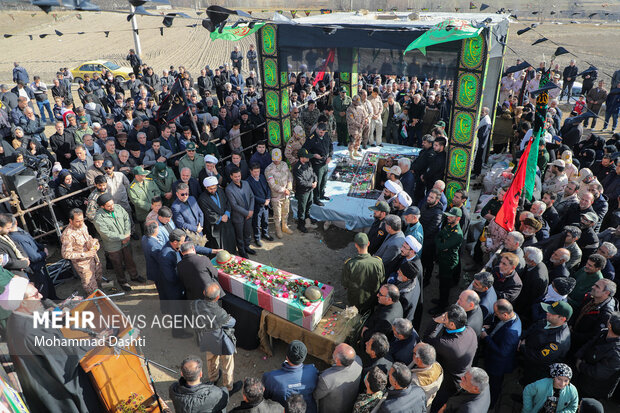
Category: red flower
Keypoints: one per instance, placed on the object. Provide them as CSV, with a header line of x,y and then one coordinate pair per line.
x,y
307,303
285,295
316,282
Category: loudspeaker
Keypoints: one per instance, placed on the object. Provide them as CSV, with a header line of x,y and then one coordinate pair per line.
x,y
16,177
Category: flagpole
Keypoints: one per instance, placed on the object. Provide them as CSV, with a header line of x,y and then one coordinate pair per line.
x,y
189,110
136,36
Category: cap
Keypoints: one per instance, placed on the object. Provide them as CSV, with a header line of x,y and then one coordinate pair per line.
x,y
591,216
209,181
381,206
190,146
303,153
413,243
299,131
343,90
564,285
104,199
561,308
108,164
276,154
393,170
210,159
139,170
296,352
13,294
392,187
560,369
404,199
412,210
533,222
559,162
454,212
83,119
440,124
159,167
361,239
97,157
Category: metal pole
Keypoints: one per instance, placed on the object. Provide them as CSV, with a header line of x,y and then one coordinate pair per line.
x,y
136,36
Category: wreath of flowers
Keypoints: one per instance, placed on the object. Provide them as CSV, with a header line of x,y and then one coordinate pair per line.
x,y
275,281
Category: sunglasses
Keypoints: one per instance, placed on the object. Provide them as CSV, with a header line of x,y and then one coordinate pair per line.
x,y
184,194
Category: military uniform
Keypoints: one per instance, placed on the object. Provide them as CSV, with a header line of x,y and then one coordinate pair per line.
x,y
196,165
542,347
356,120
322,146
362,277
555,184
309,118
164,183
140,194
448,242
293,145
376,235
279,178
91,205
340,106
78,246
304,177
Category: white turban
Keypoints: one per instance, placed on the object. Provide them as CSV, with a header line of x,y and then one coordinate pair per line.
x,y
209,181
404,199
392,187
13,293
210,159
413,243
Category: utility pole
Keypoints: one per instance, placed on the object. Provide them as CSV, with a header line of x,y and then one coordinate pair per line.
x,y
136,36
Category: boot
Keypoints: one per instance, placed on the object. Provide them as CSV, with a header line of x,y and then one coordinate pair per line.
x,y
309,224
286,229
278,228
301,225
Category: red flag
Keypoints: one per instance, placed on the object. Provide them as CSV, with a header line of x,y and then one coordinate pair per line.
x,y
505,218
324,66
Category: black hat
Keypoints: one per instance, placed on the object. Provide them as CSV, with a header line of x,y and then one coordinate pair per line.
x,y
104,199
564,285
98,157
408,269
591,406
296,352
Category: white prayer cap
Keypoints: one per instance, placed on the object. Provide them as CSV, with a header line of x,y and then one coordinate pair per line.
x,y
413,243
57,167
404,199
209,181
210,159
13,294
392,187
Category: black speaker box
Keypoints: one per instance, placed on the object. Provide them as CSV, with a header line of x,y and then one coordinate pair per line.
x,y
16,177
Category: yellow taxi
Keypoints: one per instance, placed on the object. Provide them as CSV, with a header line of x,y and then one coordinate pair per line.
x,y
96,66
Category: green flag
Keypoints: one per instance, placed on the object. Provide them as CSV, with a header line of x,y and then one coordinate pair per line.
x,y
532,165
446,31
235,34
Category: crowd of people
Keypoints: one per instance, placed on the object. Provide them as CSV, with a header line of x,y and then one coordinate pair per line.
x,y
541,300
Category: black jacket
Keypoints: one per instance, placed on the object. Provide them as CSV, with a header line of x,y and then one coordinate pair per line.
x,y
430,218
455,351
435,170
376,235
319,146
475,318
600,371
552,217
380,321
420,165
304,177
196,272
591,320
16,266
202,398
543,347
264,406
535,281
508,287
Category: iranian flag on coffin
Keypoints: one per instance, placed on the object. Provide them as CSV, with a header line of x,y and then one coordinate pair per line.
x,y
289,308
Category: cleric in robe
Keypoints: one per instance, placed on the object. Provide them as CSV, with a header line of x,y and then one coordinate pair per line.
x,y
216,208
51,377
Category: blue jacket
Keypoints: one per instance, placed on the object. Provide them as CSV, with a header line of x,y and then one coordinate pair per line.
x,y
263,160
187,215
20,74
163,235
535,395
280,384
260,189
402,350
501,348
409,400
151,249
33,249
408,181
171,286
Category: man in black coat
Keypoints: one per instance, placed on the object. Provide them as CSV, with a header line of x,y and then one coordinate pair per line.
x,y
437,166
18,262
377,348
598,362
387,310
597,308
420,165
568,78
431,213
470,302
377,233
535,281
216,209
456,344
63,144
196,272
189,394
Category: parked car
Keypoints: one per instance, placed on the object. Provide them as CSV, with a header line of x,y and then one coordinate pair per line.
x,y
96,66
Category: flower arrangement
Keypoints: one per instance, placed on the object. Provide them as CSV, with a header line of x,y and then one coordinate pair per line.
x,y
275,281
133,404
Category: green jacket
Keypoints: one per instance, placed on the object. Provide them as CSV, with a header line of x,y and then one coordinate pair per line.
x,y
197,165
208,149
448,242
341,105
584,284
140,195
113,227
164,184
362,276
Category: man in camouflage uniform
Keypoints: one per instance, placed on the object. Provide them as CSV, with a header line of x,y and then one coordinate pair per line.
x,y
101,187
368,112
141,191
362,276
310,116
280,180
341,103
356,120
78,246
297,140
295,118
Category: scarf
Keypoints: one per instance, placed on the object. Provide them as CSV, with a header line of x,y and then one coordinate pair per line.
x,y
553,296
11,244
